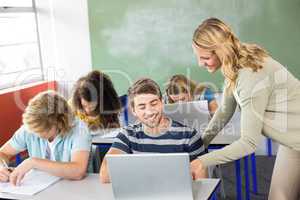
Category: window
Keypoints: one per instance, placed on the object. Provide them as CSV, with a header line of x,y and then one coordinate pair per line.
x,y
20,60
16,3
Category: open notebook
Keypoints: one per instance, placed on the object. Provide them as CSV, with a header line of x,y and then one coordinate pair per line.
x,y
33,182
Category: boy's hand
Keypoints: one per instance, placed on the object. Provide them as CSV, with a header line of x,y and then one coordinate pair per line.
x,y
104,176
19,172
4,174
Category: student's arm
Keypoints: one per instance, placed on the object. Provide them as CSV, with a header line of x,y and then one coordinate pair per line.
x,y
221,117
211,100
121,145
212,107
16,144
6,153
103,173
74,169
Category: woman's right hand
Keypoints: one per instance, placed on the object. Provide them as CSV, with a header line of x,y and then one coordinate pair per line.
x,y
197,170
4,174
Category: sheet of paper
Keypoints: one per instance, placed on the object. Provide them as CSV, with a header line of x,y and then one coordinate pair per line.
x,y
106,133
33,182
112,134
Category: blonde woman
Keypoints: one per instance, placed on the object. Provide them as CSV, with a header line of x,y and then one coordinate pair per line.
x,y
55,141
182,89
269,98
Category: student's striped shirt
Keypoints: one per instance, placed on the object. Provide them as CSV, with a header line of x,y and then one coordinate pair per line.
x,y
177,139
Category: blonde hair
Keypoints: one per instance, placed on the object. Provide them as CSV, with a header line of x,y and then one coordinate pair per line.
x,y
48,109
215,36
181,84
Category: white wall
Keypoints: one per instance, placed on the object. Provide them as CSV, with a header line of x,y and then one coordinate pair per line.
x,y
65,41
65,45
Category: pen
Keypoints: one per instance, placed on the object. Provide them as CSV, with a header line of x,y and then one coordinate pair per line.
x,y
5,165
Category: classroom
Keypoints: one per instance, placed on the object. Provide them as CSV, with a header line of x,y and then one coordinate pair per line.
x,y
133,99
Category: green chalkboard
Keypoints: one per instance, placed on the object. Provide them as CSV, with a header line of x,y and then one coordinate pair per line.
x,y
138,38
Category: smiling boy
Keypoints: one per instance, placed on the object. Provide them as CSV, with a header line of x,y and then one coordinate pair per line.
x,y
155,132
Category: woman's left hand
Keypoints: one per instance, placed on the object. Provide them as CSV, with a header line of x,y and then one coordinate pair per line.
x,y
197,170
19,172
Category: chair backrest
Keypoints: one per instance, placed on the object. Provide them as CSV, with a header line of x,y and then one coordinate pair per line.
x,y
124,113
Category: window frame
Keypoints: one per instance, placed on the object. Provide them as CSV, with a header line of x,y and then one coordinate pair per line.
x,y
32,9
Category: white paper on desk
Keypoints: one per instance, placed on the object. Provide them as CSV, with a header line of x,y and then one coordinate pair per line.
x,y
112,133
106,133
33,182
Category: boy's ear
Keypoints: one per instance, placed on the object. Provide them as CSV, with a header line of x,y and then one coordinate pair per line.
x,y
131,108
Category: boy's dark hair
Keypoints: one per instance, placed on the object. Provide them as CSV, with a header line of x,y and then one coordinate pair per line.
x,y
97,87
143,86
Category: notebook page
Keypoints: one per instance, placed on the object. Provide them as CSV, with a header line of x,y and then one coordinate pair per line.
x,y
33,182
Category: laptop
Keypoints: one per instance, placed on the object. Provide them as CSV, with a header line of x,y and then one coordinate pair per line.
x,y
193,114
151,176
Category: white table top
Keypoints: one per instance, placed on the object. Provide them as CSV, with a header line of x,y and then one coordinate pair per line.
x,y
221,139
90,188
